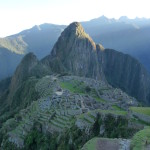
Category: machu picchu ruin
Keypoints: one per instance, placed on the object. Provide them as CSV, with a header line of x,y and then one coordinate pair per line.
x,y
67,101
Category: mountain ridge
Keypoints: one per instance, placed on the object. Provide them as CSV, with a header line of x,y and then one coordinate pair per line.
x,y
83,57
113,33
76,53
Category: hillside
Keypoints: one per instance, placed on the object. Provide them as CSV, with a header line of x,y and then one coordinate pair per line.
x,y
65,103
39,39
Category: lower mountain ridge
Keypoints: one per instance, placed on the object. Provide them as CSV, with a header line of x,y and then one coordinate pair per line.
x,y
38,39
75,98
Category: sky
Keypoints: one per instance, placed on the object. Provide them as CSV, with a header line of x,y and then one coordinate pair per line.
x,y
17,15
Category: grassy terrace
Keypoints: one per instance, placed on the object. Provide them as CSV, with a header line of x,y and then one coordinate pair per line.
x,y
72,87
91,144
100,99
115,112
117,108
141,110
141,139
137,120
81,88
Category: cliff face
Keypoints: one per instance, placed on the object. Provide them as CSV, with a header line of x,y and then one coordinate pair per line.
x,y
24,69
22,72
76,53
127,73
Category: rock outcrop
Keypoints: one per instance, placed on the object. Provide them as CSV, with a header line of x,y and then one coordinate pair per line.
x,y
127,73
76,52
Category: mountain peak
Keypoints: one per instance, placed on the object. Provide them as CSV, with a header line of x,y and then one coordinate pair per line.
x,y
75,52
123,18
28,58
76,29
73,36
75,25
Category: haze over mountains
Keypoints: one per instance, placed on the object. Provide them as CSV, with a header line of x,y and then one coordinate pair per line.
x,y
39,40
130,36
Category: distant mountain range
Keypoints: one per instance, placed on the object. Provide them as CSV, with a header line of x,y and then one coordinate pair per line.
x,y
39,40
129,36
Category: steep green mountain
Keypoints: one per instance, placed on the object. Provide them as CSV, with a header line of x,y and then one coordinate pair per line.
x,y
75,52
18,91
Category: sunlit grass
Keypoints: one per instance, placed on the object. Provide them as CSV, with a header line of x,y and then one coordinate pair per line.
x,y
141,139
141,110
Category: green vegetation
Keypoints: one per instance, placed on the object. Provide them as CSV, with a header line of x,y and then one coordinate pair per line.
x,y
100,99
21,99
141,139
25,94
115,112
72,88
139,121
117,108
91,144
79,87
116,128
141,110
36,140
74,138
8,145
